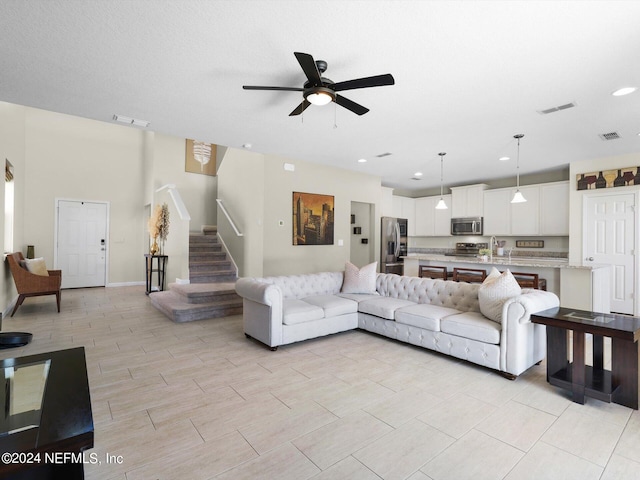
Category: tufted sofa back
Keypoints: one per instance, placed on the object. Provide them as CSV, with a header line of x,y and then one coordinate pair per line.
x,y
300,286
459,295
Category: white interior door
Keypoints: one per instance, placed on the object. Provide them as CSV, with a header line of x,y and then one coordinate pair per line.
x,y
82,243
609,238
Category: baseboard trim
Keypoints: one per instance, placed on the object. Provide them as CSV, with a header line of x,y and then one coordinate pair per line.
x,y
124,284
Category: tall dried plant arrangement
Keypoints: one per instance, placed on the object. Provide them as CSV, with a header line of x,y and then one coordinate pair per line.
x,y
159,227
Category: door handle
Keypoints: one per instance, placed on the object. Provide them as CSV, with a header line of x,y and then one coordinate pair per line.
x,y
590,259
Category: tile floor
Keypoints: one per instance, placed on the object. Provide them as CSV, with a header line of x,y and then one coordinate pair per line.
x,y
199,401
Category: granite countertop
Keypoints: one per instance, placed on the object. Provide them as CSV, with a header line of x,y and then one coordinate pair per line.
x,y
544,262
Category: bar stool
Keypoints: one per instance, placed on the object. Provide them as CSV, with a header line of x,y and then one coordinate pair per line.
x,y
469,275
429,271
530,280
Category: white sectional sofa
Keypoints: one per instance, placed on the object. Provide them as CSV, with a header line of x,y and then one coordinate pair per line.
x,y
439,315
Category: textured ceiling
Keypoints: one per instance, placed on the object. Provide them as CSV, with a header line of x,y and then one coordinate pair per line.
x,y
469,75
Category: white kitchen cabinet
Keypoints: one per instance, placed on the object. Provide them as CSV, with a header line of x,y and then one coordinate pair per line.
x,y
497,212
405,207
525,217
431,222
467,201
442,226
554,209
425,216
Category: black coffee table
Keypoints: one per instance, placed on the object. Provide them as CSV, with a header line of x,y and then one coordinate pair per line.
x,y
46,421
618,385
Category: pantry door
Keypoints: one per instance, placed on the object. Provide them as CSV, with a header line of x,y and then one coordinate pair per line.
x,y
609,239
81,243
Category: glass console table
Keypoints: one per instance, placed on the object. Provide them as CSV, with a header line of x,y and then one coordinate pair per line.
x,y
46,421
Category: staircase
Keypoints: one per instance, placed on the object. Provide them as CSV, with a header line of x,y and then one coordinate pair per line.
x,y
211,293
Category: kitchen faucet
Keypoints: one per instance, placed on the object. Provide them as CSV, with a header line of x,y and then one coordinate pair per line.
x,y
492,241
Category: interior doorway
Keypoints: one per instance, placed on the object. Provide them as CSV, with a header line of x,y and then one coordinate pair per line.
x,y
610,238
81,242
362,242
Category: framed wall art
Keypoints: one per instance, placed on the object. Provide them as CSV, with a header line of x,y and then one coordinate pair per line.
x,y
200,157
312,219
620,177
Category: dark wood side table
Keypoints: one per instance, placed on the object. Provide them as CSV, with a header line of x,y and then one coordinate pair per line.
x,y
155,264
618,385
44,434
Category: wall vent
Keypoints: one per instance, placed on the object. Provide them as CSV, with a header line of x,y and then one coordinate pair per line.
x,y
383,155
609,136
547,111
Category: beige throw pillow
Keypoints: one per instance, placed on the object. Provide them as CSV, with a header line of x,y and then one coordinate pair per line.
x,y
496,289
359,280
37,266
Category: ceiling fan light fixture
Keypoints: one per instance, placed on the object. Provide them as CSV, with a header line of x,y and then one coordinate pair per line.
x,y
320,96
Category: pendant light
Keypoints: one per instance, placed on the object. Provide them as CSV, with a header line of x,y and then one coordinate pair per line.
x,y
518,197
441,205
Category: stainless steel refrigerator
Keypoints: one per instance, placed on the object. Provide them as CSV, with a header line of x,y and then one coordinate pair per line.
x,y
393,244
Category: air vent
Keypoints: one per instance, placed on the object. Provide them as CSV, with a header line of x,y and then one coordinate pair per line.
x,y
557,109
609,136
383,155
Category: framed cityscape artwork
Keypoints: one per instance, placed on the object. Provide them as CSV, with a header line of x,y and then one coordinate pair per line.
x,y
312,219
619,177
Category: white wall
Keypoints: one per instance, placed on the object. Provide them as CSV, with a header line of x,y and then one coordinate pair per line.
x,y
78,159
62,156
258,193
281,257
242,188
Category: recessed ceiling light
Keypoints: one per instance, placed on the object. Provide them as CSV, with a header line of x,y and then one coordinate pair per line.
x,y
504,159
247,145
417,174
362,160
624,91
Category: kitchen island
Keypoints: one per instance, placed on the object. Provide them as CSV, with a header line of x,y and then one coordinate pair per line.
x,y
584,287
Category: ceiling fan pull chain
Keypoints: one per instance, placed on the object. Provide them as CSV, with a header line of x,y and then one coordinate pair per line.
x,y
335,115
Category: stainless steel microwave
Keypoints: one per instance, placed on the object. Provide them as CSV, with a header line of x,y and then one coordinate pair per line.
x,y
466,226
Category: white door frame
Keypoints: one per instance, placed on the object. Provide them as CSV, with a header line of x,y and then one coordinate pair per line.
x,y
57,201
609,192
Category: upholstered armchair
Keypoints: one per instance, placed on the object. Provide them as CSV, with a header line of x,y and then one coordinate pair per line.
x,y
31,285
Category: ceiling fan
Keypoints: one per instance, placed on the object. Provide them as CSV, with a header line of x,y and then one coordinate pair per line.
x,y
319,90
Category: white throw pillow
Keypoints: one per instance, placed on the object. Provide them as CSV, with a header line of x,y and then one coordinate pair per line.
x,y
37,266
359,280
494,291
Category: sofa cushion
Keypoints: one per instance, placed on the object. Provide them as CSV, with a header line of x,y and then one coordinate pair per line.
x,y
332,304
384,307
424,315
472,325
495,291
358,297
359,280
298,311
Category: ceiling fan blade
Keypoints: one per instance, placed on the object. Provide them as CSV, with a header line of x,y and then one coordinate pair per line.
x,y
351,105
309,68
300,108
376,81
287,89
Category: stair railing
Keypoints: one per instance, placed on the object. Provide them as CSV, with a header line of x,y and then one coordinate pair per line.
x,y
181,231
226,214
